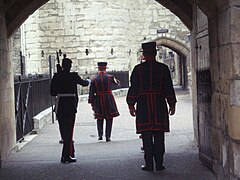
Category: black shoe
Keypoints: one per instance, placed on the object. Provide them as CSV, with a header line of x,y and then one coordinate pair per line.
x,y
147,168
68,160
100,138
108,140
159,168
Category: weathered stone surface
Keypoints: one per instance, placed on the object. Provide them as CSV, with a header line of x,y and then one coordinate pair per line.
x,y
215,67
74,26
224,65
223,28
225,58
7,120
235,92
216,145
235,60
234,23
233,122
236,160
216,104
224,33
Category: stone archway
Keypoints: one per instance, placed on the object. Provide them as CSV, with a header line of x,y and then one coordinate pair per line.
x,y
183,61
18,11
224,45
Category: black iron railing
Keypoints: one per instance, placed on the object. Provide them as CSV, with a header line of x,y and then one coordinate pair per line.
x,y
122,76
31,97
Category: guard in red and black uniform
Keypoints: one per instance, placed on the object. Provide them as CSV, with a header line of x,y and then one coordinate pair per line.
x,y
64,86
151,98
102,100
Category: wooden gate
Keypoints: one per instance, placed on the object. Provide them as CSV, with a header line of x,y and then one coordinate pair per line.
x,y
204,96
204,89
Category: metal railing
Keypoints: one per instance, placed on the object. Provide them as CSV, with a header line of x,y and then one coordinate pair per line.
x,y
31,97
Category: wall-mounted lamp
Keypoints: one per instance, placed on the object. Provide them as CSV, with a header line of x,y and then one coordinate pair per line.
x,y
171,54
129,52
42,53
60,52
112,51
86,51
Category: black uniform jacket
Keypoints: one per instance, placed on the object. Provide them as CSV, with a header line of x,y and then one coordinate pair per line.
x,y
66,83
101,98
151,89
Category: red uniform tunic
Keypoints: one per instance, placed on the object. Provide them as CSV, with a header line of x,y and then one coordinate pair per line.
x,y
151,89
101,98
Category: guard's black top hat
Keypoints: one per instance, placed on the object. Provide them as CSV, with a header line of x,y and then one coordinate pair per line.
x,y
102,64
149,48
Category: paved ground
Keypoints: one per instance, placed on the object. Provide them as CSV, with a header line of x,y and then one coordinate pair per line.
x,y
119,159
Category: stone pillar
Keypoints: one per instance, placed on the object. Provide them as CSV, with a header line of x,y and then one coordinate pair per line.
x,y
224,30
7,117
233,123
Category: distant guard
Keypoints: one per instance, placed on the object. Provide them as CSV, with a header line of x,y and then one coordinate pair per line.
x,y
102,100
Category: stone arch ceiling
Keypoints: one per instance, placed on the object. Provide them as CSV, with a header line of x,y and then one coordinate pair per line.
x,y
17,11
173,44
181,8
209,7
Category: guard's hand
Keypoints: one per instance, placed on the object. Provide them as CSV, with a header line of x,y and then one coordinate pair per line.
x,y
89,81
132,112
116,81
171,111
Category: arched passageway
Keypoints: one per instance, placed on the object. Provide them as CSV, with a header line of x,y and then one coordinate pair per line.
x,y
183,65
215,63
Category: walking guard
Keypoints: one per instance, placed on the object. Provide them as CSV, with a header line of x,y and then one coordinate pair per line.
x,y
64,87
102,100
151,98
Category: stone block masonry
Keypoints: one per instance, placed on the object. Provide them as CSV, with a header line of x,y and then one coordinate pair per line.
x,y
97,25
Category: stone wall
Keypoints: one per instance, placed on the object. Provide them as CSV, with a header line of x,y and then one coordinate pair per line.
x,y
226,96
7,120
15,53
99,26
219,51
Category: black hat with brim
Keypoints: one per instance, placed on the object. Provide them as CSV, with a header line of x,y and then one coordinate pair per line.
x,y
149,48
102,64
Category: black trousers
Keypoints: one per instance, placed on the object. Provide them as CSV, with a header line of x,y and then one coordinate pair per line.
x,y
108,129
154,147
66,125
